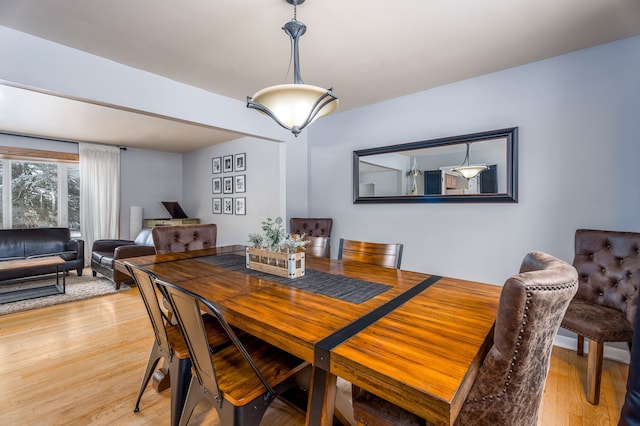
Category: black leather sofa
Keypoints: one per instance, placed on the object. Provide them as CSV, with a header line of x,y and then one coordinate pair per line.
x,y
40,242
104,252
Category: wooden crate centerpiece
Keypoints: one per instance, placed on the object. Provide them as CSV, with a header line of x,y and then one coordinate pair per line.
x,y
282,264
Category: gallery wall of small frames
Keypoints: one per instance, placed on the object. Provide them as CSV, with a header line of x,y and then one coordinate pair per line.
x,y
230,182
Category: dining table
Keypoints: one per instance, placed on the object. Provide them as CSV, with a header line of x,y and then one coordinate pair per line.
x,y
412,338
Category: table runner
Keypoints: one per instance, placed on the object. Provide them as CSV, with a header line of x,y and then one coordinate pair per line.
x,y
336,286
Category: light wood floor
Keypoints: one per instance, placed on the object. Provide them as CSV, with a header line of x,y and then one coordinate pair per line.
x,y
81,363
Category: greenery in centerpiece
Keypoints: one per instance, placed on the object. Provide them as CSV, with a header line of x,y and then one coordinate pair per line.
x,y
274,237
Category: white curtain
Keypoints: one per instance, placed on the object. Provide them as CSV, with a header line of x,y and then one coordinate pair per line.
x,y
99,194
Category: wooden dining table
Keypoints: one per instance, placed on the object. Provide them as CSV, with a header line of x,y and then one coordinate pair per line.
x,y
412,338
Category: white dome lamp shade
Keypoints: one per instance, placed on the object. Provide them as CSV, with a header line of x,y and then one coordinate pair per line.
x,y
294,106
469,171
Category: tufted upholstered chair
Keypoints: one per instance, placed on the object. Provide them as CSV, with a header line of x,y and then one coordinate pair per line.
x,y
172,239
509,386
313,227
604,309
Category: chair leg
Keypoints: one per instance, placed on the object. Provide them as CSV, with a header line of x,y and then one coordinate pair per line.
x,y
154,357
180,374
580,348
594,373
194,396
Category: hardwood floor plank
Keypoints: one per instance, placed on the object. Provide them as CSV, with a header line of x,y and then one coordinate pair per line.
x,y
81,363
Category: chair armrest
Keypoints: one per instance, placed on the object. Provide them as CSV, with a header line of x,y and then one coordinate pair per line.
x,y
135,250
77,246
109,245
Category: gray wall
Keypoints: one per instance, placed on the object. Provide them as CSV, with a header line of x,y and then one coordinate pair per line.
x,y
579,127
147,178
265,186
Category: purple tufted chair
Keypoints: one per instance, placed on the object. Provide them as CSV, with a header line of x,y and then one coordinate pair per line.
x,y
171,239
604,309
509,386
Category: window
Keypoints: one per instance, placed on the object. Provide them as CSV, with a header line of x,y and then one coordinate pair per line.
x,y
42,193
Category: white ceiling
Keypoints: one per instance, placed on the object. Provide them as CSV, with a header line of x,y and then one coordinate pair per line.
x,y
367,50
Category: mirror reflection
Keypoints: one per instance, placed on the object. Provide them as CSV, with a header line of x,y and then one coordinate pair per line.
x,y
480,167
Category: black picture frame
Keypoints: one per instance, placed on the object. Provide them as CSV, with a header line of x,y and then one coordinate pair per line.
x,y
216,185
227,205
240,183
240,162
227,185
216,165
227,163
216,205
240,206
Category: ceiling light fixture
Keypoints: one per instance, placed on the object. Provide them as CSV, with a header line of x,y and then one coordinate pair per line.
x,y
294,106
469,171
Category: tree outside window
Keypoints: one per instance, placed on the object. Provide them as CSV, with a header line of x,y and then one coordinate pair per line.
x,y
42,194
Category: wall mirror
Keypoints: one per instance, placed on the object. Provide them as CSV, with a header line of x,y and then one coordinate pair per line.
x,y
478,167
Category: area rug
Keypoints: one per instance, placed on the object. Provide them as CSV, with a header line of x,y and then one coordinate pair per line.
x,y
77,288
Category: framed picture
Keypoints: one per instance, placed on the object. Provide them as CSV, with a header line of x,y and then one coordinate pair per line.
x,y
216,185
216,205
239,183
227,205
240,162
216,165
227,163
241,205
227,185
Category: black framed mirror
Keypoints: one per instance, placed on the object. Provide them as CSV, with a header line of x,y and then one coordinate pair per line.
x,y
473,168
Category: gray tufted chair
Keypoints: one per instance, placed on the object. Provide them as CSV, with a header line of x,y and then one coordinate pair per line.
x,y
509,386
604,309
172,239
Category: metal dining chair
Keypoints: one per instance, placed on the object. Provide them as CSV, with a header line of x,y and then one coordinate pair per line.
x,y
240,381
509,386
169,344
317,246
387,255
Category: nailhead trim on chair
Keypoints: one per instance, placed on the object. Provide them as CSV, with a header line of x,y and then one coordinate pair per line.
x,y
514,357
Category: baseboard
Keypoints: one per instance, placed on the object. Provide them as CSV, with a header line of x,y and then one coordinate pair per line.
x,y
615,354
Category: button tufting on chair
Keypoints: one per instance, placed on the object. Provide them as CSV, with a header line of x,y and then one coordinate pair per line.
x,y
179,238
605,306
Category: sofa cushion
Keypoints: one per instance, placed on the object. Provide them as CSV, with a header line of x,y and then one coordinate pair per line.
x,y
39,241
144,237
11,244
104,258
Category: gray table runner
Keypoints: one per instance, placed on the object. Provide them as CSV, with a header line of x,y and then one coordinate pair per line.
x,y
336,286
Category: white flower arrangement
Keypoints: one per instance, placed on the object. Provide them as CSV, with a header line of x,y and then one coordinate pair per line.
x,y
273,237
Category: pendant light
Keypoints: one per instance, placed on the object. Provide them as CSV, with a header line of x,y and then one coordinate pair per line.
x,y
294,106
468,171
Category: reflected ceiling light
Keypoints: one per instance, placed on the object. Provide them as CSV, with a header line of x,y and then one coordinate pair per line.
x,y
294,106
469,171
